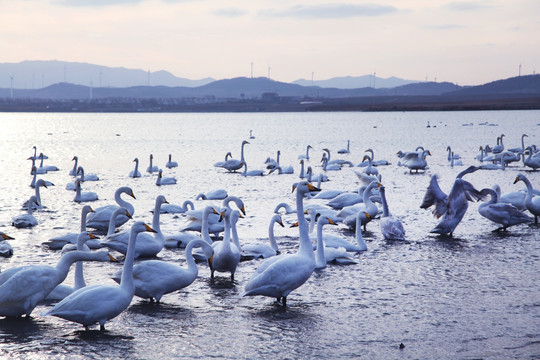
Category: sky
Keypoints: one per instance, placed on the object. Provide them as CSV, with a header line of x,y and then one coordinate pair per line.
x,y
464,42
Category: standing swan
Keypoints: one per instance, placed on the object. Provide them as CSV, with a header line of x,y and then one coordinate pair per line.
x,y
99,219
99,303
22,288
234,164
533,205
451,207
501,213
391,227
226,254
279,275
155,278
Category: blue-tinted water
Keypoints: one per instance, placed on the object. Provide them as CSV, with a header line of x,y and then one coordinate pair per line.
x,y
471,296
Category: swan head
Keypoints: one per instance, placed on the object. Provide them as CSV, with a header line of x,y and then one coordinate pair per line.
x,y
518,178
304,187
75,158
7,237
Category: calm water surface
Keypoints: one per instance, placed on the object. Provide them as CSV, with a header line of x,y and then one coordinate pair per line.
x,y
475,295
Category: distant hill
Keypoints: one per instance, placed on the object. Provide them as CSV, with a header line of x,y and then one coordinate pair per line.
x,y
38,74
355,82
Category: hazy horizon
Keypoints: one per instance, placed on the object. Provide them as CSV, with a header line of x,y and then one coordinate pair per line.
x,y
464,42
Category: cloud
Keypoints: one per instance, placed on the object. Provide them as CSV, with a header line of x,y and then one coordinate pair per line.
x,y
330,11
229,12
466,5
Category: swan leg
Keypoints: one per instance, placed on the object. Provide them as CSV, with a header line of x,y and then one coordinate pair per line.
x,y
101,327
284,301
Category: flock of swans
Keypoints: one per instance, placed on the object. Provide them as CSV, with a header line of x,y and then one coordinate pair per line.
x,y
278,274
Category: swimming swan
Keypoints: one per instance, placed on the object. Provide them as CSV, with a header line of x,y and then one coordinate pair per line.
x,y
152,168
26,220
391,226
532,204
58,242
164,180
99,219
135,173
263,250
99,303
83,196
5,248
170,163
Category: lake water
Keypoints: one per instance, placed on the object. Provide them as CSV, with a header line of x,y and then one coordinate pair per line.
x,y
475,295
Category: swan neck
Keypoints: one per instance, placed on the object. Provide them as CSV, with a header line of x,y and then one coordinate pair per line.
x,y
235,235
358,234
305,242
386,212
273,242
204,227
320,258
126,281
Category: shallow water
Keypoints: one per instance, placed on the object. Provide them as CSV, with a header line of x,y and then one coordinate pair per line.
x,y
471,296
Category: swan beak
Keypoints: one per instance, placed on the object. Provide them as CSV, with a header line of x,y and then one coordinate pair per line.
x,y
128,214
331,222
280,222
313,188
92,236
165,201
243,210
221,216
7,237
215,212
367,215
148,228
211,259
91,210
517,179
112,259
379,184
364,158
294,225
132,195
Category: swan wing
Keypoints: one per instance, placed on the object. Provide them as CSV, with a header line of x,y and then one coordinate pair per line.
x,y
435,196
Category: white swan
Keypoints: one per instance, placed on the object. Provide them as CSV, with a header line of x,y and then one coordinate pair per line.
x,y
347,199
263,250
256,172
221,163
325,255
217,194
58,242
35,156
26,220
279,275
501,213
391,226
37,204
346,150
73,172
61,290
284,205
86,177
306,155
366,206
22,288
152,168
99,219
99,303
177,209
311,175
181,239
34,180
454,161
370,169
35,170
5,248
47,168
147,245
84,196
226,254
500,146
155,278
416,160
451,207
164,180
302,174
522,148
170,163
532,162
451,154
135,173
234,164
532,204
251,136
373,161
280,169
329,167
